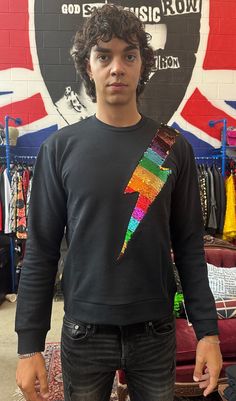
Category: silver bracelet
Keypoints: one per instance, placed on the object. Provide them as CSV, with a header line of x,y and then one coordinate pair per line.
x,y
24,356
209,341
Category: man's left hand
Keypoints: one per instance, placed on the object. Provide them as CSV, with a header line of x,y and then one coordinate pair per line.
x,y
208,364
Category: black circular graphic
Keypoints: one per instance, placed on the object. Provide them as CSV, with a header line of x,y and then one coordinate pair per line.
x,y
174,26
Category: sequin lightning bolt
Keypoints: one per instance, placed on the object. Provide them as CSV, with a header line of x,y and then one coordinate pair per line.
x,y
149,178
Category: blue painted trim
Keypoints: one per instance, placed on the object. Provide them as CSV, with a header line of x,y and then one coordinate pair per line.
x,y
231,103
200,147
29,144
6,93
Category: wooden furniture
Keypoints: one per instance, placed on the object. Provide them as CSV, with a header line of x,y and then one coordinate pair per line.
x,y
221,389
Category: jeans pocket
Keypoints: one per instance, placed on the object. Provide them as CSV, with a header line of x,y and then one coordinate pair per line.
x,y
76,331
163,327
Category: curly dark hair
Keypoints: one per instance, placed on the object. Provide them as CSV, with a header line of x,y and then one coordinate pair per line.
x,y
104,23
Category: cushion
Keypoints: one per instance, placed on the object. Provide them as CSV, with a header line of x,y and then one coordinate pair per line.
x,y
221,257
227,330
186,340
222,281
226,308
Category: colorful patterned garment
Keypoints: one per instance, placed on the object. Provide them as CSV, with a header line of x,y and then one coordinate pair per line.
x,y
202,177
13,202
25,182
149,178
28,196
21,229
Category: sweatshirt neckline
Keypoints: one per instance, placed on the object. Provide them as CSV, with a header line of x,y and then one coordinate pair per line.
x,y
119,130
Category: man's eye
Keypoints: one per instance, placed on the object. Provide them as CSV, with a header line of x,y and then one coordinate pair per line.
x,y
103,57
131,57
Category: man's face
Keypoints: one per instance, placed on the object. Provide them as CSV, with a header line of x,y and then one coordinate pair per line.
x,y
115,67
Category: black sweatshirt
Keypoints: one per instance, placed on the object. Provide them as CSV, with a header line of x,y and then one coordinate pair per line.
x,y
126,196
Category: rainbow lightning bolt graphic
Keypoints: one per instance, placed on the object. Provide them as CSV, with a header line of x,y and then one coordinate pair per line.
x,y
149,178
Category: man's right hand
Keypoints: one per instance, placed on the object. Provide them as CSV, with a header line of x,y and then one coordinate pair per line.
x,y
30,371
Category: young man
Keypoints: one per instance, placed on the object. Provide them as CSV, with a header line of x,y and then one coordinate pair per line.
x,y
126,190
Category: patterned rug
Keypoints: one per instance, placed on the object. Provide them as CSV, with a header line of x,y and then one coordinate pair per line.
x,y
53,365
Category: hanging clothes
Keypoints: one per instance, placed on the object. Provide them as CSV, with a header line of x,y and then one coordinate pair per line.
x,y
20,209
216,179
222,204
229,231
14,198
212,195
212,222
13,202
28,195
25,182
7,196
203,192
2,197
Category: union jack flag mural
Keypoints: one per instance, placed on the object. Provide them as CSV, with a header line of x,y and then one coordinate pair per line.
x,y
194,79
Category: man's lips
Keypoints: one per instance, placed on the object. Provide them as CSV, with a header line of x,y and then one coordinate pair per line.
x,y
117,84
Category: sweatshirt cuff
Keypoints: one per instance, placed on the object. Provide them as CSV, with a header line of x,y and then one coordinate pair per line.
x,y
31,341
205,328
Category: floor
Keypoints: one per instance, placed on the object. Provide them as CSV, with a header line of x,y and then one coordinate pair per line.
x,y
8,344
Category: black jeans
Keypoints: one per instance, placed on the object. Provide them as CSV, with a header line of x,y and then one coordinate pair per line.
x,y
91,354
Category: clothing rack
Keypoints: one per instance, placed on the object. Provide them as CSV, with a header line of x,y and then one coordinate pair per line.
x,y
25,157
207,157
216,159
10,157
17,121
19,158
224,147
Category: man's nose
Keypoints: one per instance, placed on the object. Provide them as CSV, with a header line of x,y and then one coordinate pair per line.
x,y
117,67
